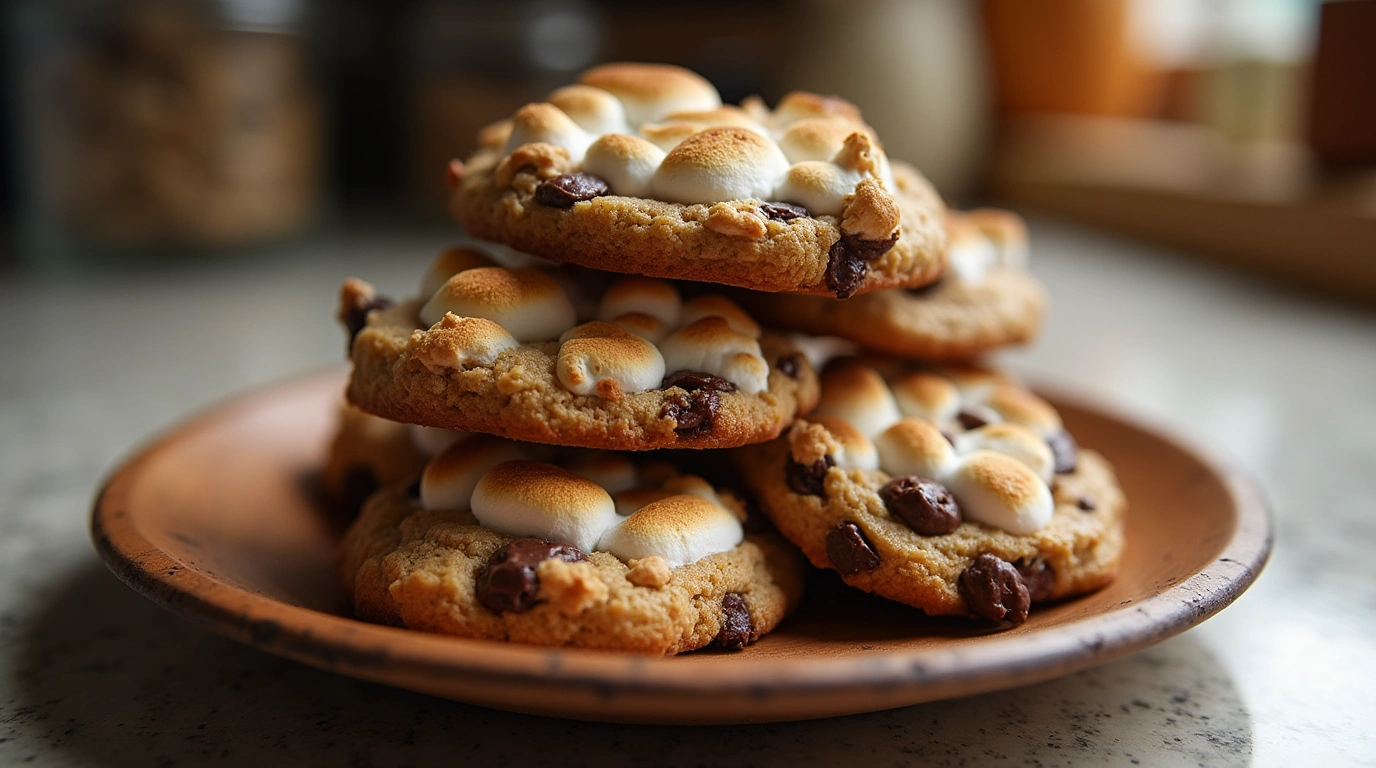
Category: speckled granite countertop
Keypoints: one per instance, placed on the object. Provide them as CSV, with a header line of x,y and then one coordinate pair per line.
x,y
93,674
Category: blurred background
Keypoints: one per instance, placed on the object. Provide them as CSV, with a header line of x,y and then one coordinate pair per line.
x,y
152,132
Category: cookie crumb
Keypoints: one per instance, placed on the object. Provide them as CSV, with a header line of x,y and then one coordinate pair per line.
x,y
545,160
570,587
652,571
726,219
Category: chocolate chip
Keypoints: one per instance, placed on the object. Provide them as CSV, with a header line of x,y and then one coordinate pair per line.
x,y
695,412
1065,451
356,317
1039,579
1086,504
808,479
846,262
790,365
849,550
359,483
413,490
925,505
737,631
508,581
784,211
563,191
693,380
993,590
976,416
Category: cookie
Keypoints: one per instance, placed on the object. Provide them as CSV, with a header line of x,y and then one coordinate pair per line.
x,y
368,453
639,168
954,491
508,351
591,552
986,300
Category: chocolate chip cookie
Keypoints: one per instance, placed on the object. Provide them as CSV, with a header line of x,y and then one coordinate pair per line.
x,y
955,491
590,551
986,300
640,168
515,352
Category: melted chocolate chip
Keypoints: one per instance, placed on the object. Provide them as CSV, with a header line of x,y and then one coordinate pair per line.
x,y
784,211
846,262
790,365
508,581
695,412
1086,504
359,483
1039,579
976,416
925,505
993,590
563,191
808,479
849,550
737,631
1065,451
694,380
356,317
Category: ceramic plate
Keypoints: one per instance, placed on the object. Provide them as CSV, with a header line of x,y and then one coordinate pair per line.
x,y
216,523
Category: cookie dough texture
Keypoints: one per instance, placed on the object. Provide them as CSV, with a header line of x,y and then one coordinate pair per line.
x,y
416,568
1082,547
673,240
948,321
519,396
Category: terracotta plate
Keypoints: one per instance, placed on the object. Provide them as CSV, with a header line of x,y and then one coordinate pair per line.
x,y
215,522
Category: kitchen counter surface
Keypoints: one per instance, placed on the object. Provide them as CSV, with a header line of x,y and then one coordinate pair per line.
x,y
93,674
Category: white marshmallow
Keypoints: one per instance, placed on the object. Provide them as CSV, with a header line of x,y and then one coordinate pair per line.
x,y
614,472
716,305
858,394
528,303
711,346
718,165
649,328
657,298
818,185
449,479
692,484
632,499
682,529
649,92
1001,491
820,350
856,451
971,257
606,360
923,395
461,342
817,138
915,447
450,262
430,441
593,109
527,498
545,123
626,163
1012,440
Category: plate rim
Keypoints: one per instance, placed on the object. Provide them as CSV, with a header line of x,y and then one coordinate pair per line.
x,y
345,644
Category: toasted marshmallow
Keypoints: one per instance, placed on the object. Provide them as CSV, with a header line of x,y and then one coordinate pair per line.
x,y
1005,230
626,163
820,350
720,164
816,138
544,123
710,345
528,498
651,91
450,262
649,328
799,105
856,451
449,479
818,185
971,254
460,342
974,384
528,303
430,441
666,136
614,472
694,485
682,529
915,447
927,396
1001,491
632,499
606,360
1012,440
593,109
716,305
857,394
715,118
1019,406
657,298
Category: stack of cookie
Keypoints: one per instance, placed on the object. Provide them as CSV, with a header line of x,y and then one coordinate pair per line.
x,y
496,411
